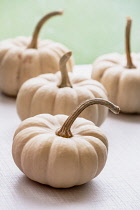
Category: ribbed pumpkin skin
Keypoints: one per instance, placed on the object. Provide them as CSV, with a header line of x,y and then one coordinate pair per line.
x,y
20,63
121,83
57,161
41,95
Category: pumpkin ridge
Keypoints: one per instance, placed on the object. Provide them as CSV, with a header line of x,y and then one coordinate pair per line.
x,y
106,69
30,105
27,138
54,101
101,73
45,43
84,82
134,108
46,121
79,164
49,89
76,79
54,104
93,148
53,122
22,97
54,53
63,96
111,61
118,88
47,164
81,83
98,86
97,146
4,62
19,73
3,54
51,54
101,137
89,86
82,121
20,41
41,68
28,123
101,88
28,59
31,142
95,134
107,58
43,128
32,99
47,79
96,155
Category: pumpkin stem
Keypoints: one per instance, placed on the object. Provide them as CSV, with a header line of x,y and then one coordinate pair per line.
x,y
33,43
65,81
65,131
129,64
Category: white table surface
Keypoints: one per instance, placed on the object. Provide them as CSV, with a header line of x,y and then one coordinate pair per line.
x,y
117,187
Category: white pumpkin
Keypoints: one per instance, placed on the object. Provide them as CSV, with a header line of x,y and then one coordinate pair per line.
x,y
61,151
23,58
120,76
60,93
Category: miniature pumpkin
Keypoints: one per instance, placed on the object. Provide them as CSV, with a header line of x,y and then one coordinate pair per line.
x,y
23,58
121,76
60,93
61,151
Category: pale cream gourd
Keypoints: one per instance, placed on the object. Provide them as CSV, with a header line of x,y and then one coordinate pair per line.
x,y
23,58
61,151
120,76
60,93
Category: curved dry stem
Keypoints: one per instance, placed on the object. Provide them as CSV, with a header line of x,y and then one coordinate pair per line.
x,y
129,64
65,81
33,43
65,131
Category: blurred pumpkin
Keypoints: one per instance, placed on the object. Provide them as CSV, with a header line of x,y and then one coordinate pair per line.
x,y
120,75
23,58
60,93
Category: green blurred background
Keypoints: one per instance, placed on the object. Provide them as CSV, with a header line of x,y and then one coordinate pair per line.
x,y
88,27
